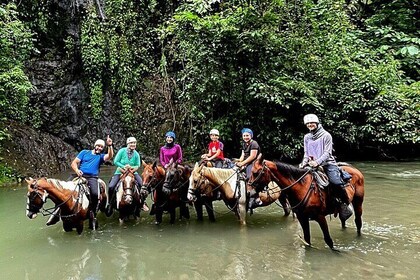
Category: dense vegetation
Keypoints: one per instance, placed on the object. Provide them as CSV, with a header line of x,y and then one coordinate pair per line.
x,y
230,64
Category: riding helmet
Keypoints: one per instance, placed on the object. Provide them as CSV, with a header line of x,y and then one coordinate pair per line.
x,y
131,140
170,134
247,130
310,118
214,131
100,142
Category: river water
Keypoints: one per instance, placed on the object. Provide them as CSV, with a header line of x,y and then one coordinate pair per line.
x,y
269,246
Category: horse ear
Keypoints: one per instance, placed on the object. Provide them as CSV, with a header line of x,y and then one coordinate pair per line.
x,y
28,181
154,164
143,163
196,165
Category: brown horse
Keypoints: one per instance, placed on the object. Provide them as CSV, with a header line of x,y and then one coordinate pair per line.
x,y
226,181
154,176
129,199
307,199
173,193
70,197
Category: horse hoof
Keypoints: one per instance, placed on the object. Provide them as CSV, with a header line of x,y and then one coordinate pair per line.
x,y
157,223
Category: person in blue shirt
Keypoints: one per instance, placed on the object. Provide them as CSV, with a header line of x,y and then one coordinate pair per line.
x,y
87,165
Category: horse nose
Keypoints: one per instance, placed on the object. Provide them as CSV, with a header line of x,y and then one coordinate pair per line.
x,y
190,197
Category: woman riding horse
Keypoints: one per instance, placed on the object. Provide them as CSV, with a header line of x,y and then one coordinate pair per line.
x,y
126,160
173,193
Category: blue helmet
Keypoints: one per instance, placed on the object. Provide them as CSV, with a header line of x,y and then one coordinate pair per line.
x,y
247,130
170,134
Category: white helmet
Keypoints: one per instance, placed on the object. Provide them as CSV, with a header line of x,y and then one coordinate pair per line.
x,y
100,142
214,131
131,140
310,118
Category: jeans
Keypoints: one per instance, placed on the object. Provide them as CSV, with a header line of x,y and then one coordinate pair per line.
x,y
92,182
333,174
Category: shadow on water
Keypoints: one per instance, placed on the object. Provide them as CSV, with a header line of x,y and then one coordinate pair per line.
x,y
269,247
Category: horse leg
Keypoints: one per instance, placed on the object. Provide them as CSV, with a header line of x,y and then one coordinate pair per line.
x,y
358,211
304,223
285,204
198,205
324,227
158,214
185,211
209,208
67,226
172,214
79,227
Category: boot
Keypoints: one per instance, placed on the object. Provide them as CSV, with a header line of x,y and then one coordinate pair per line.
x,y
54,218
346,210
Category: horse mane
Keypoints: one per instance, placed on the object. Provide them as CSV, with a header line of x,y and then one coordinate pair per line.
x,y
219,172
289,170
58,184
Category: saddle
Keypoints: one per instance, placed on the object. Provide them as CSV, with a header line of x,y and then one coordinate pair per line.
x,y
322,179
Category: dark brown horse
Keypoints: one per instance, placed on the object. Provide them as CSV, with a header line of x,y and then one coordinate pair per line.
x,y
129,199
173,193
307,199
70,197
153,177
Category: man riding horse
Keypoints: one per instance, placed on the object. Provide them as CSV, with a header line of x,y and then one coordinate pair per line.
x,y
318,146
87,165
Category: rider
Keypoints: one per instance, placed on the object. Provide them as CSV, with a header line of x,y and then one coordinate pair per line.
x,y
87,165
170,150
127,158
318,147
250,151
215,154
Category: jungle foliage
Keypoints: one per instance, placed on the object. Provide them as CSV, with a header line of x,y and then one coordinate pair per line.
x,y
233,64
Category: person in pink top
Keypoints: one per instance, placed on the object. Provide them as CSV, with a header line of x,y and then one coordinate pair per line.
x,y
170,150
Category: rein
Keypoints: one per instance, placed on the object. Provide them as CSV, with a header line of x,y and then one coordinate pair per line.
x,y
277,180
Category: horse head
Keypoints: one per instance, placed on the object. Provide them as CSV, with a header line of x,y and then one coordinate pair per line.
x,y
173,176
37,196
259,176
198,184
152,175
128,183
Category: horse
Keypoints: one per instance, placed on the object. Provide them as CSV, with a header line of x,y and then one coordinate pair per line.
x,y
129,199
71,198
226,181
205,199
173,192
308,200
